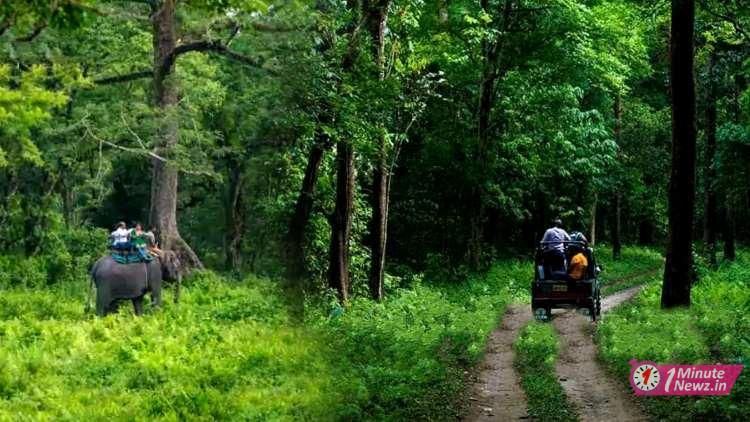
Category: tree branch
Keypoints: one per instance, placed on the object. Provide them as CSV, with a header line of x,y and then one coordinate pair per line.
x,y
207,46
140,151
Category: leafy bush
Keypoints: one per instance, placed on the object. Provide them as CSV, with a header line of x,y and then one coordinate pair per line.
x,y
65,256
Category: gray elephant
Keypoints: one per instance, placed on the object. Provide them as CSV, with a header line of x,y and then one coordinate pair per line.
x,y
115,281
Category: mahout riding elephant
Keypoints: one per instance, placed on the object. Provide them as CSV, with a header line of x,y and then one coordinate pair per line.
x,y
115,281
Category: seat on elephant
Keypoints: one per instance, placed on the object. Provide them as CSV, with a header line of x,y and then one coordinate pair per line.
x,y
130,258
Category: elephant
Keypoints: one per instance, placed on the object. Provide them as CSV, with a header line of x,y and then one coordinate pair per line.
x,y
115,281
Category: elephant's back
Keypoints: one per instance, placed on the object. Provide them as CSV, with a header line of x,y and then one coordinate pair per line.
x,y
122,280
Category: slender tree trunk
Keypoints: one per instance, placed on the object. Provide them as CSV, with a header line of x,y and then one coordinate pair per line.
x,y
729,194
234,217
163,212
378,20
617,222
491,73
645,232
486,90
338,272
617,228
303,208
710,218
729,249
678,269
341,221
592,224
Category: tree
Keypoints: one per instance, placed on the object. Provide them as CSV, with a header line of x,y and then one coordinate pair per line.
x,y
617,220
678,269
381,180
164,180
710,203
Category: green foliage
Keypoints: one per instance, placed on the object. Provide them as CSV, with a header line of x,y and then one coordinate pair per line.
x,y
408,353
536,352
714,329
228,351
24,105
64,257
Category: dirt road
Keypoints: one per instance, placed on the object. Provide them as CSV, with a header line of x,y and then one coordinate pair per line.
x,y
495,393
596,396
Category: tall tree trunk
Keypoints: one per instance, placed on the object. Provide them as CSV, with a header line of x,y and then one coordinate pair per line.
x,y
486,99
709,226
338,272
378,20
163,212
592,224
645,232
341,221
678,269
729,249
303,207
729,227
617,222
234,217
491,73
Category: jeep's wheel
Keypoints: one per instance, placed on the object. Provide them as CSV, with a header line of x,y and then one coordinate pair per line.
x,y
542,314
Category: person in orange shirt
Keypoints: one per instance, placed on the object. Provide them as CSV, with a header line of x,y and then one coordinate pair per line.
x,y
578,261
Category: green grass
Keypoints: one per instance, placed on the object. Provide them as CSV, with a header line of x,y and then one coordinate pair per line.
x,y
536,353
715,329
633,260
228,352
409,352
225,352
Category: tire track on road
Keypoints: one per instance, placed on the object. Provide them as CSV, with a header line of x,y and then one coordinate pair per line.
x,y
587,384
495,392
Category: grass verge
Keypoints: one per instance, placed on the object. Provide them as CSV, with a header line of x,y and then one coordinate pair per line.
x,y
715,329
536,353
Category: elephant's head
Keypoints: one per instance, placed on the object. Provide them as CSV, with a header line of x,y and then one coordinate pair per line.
x,y
170,266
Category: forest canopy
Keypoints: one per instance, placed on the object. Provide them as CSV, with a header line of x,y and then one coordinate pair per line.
x,y
339,142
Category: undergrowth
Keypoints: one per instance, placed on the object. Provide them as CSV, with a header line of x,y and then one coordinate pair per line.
x,y
536,352
634,260
228,352
716,328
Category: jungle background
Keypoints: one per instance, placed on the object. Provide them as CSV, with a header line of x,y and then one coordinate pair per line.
x,y
356,189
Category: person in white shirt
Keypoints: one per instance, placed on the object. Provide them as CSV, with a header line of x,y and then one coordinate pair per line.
x,y
120,237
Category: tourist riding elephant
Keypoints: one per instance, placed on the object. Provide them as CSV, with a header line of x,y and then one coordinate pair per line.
x,y
115,281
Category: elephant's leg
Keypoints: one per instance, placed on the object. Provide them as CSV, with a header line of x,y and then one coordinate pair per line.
x,y
138,305
156,296
102,302
114,305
